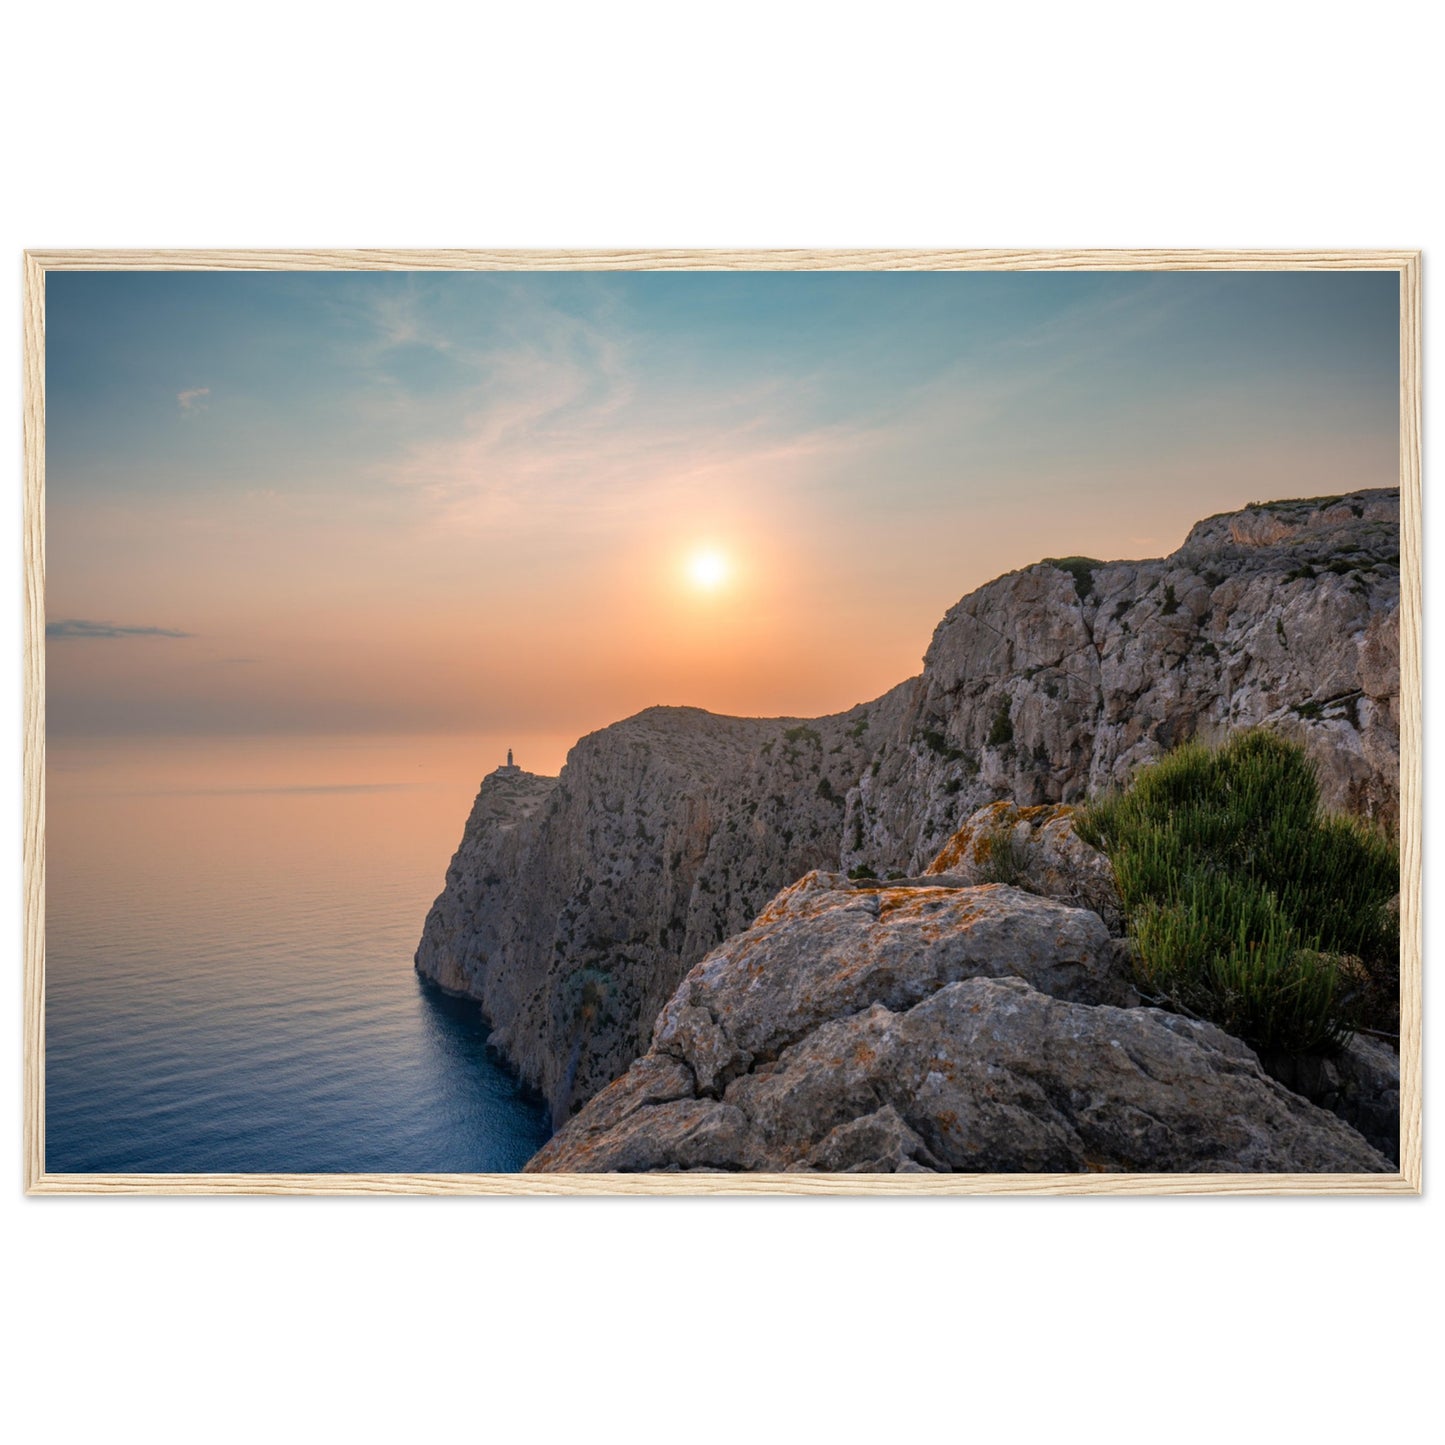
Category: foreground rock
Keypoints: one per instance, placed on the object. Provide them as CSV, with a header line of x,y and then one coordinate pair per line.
x,y
827,948
1037,848
937,1027
575,906
1360,1083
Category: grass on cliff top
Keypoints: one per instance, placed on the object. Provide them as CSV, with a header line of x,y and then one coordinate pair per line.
x,y
1081,569
1248,904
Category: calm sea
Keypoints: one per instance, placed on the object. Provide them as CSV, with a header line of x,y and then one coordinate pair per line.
x,y
229,935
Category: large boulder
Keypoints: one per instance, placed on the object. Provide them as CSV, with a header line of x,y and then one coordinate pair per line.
x,y
931,1026
826,948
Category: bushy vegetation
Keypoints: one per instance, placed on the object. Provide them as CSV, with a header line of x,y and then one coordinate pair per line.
x,y
939,744
1001,734
1003,858
1081,569
1248,905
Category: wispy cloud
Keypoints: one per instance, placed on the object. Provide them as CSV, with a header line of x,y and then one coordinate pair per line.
x,y
1100,323
535,462
194,398
74,627
562,419
298,790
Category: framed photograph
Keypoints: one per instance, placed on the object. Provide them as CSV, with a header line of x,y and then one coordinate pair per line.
x,y
723,722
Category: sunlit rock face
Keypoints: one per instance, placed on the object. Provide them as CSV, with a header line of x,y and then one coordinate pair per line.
x,y
575,906
1055,682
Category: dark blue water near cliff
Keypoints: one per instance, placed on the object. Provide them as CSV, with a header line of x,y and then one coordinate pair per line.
x,y
229,986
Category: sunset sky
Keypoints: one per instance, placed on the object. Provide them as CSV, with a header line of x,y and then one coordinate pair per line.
x,y
484,502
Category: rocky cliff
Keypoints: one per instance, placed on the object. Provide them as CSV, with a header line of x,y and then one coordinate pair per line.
x,y
575,906
1057,681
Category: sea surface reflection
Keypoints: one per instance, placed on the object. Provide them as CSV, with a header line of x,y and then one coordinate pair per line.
x,y
228,975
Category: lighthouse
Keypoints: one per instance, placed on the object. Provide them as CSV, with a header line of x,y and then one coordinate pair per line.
x,y
511,766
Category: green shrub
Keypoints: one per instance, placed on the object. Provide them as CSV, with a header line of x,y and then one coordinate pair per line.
x,y
1003,858
940,745
1081,569
1247,904
1002,732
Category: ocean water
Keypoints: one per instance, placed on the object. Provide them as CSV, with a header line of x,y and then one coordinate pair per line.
x,y
229,935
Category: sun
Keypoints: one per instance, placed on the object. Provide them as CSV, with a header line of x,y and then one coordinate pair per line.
x,y
708,569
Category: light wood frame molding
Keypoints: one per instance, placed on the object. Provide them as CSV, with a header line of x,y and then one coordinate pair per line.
x,y
1407,263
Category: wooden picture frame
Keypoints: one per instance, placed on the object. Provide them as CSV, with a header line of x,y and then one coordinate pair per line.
x,y
1408,1178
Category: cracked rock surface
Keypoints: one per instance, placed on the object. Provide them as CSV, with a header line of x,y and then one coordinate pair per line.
x,y
1057,681
939,1027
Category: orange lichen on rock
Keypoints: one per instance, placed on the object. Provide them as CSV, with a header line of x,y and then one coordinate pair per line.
x,y
973,842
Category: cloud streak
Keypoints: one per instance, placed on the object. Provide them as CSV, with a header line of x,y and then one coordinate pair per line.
x,y
563,424
76,627
193,399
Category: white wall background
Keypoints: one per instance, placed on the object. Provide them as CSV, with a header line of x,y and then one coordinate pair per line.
x,y
1261,124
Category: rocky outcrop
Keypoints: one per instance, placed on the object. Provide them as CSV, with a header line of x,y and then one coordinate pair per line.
x,y
1058,681
1036,849
935,1027
828,947
575,906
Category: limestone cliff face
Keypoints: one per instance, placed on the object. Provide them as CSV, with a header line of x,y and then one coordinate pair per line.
x,y
575,906
1052,683
465,926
